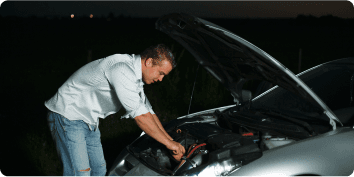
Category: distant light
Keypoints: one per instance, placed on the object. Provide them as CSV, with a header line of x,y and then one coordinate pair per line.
x,y
91,16
72,15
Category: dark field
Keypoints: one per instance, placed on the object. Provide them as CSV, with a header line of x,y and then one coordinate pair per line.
x,y
38,55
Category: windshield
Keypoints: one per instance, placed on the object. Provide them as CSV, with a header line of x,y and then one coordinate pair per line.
x,y
331,82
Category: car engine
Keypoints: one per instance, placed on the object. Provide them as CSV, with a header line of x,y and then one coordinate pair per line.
x,y
206,143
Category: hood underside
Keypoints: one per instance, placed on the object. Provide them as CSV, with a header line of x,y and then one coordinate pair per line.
x,y
231,59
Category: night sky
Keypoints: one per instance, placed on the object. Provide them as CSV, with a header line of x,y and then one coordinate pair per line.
x,y
205,9
39,54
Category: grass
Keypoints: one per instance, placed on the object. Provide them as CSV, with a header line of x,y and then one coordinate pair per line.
x,y
39,149
43,153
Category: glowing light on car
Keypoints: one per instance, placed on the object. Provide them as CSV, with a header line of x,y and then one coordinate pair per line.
x,y
220,168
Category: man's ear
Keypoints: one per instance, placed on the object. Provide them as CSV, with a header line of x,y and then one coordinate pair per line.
x,y
148,62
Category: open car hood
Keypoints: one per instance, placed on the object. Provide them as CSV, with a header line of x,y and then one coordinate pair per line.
x,y
233,60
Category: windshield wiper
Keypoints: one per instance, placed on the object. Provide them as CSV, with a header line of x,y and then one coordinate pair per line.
x,y
291,119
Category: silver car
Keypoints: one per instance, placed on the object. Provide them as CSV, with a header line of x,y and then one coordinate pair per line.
x,y
301,126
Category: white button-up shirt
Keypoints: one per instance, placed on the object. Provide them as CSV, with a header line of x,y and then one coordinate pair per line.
x,y
101,88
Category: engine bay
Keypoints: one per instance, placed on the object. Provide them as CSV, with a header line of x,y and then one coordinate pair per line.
x,y
207,142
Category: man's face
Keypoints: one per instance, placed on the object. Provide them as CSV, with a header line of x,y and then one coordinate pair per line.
x,y
154,73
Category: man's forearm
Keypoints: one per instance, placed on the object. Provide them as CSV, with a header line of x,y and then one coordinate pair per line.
x,y
158,122
148,124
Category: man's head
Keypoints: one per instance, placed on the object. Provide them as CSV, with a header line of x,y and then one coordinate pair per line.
x,y
156,62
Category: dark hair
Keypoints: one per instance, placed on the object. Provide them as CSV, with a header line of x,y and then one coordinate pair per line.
x,y
158,53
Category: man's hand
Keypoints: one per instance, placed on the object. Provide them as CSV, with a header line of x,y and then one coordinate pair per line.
x,y
176,148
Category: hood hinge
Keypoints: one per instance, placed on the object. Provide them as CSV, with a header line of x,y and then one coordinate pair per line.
x,y
331,119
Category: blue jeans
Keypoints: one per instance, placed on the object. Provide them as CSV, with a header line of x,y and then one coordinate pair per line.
x,y
79,149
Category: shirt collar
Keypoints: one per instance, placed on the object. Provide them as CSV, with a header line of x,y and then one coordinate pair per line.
x,y
137,65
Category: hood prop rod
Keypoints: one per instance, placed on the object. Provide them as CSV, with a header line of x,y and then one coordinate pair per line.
x,y
193,89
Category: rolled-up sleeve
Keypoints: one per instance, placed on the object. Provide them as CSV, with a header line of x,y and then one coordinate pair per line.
x,y
148,105
123,80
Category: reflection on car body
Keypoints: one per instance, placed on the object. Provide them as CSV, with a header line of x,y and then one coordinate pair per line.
x,y
289,129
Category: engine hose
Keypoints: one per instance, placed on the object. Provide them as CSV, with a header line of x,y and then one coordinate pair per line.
x,y
195,149
178,157
190,152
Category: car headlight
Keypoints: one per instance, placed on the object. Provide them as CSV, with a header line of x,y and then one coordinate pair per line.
x,y
222,168
127,164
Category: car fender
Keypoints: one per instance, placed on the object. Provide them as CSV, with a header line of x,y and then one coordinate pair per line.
x,y
331,153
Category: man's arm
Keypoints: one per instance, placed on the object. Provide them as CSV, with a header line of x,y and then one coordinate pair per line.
x,y
158,122
147,123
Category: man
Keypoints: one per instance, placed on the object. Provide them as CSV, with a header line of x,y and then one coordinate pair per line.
x,y
98,89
